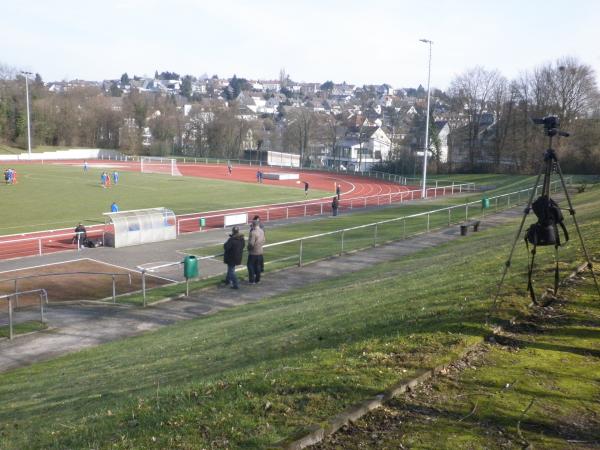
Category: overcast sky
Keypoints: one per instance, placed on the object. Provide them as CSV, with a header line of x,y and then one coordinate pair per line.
x,y
360,42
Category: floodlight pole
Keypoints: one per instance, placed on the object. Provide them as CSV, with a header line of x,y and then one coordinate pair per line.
x,y
27,102
426,149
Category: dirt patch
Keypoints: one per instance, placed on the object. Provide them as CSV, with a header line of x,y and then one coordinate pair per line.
x,y
61,285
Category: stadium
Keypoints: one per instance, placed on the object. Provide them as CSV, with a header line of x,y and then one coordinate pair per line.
x,y
130,301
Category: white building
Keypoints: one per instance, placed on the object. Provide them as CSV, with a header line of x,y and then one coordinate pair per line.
x,y
359,154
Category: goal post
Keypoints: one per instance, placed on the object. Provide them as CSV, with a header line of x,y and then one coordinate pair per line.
x,y
154,164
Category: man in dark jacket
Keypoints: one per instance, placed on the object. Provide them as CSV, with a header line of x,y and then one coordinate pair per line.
x,y
334,206
234,247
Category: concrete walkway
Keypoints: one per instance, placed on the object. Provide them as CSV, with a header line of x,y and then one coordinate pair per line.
x,y
79,326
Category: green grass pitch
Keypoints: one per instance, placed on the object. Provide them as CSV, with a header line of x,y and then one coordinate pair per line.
x,y
54,196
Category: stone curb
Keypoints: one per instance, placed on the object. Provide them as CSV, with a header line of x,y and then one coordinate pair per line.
x,y
316,433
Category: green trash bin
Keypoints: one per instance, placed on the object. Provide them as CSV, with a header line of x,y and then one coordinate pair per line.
x,y
485,203
190,267
202,222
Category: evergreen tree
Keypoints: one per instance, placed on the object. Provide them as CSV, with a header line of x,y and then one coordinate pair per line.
x,y
186,86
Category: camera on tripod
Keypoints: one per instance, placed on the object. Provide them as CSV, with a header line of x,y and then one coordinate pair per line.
x,y
551,126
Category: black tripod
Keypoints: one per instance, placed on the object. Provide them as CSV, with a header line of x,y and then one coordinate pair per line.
x,y
551,163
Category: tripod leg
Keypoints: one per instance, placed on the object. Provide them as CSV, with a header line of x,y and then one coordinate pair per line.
x,y
572,212
517,236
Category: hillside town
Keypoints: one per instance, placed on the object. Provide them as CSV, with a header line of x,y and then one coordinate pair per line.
x,y
481,123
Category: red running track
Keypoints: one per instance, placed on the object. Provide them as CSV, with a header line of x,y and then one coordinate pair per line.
x,y
356,192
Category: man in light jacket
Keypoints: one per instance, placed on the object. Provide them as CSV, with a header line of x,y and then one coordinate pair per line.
x,y
256,240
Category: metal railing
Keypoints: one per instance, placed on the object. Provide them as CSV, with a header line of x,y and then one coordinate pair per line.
x,y
41,292
51,241
189,223
111,274
451,214
44,242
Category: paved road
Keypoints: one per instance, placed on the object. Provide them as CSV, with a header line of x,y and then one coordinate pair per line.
x,y
74,327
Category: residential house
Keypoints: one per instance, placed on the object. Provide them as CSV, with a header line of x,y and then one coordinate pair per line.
x,y
271,86
359,149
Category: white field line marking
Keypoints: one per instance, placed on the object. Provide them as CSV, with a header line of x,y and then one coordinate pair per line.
x,y
45,265
127,269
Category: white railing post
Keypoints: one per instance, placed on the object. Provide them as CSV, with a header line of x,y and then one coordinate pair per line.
x,y
467,211
342,248
300,254
40,246
10,319
42,305
321,208
449,218
375,236
144,286
287,212
304,210
428,222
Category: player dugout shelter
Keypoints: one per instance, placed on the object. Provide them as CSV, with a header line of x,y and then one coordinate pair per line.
x,y
140,226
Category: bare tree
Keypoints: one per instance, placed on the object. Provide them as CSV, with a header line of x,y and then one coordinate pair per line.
x,y
301,128
332,131
471,92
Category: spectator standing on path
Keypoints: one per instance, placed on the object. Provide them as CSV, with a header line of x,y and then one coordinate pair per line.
x,y
85,166
262,227
258,176
114,207
334,206
256,240
234,248
305,189
257,219
115,177
229,168
103,179
338,191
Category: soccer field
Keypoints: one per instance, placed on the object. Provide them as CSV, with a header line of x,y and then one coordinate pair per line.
x,y
54,196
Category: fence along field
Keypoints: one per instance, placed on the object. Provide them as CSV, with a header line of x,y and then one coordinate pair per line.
x,y
145,190
300,250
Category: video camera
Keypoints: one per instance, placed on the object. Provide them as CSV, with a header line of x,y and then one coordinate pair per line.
x,y
551,126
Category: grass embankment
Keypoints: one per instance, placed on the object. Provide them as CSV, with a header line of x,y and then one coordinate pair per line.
x,y
540,388
22,328
250,376
53,196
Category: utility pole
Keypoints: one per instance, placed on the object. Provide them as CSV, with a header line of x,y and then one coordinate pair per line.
x,y
426,149
27,102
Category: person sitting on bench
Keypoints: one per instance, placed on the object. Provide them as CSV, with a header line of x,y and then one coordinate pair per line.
x,y
80,234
